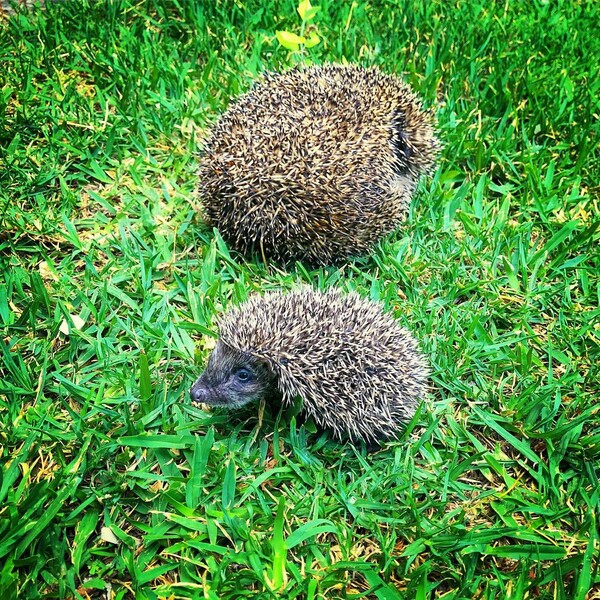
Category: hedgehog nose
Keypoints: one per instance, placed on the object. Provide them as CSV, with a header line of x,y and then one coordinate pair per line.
x,y
198,394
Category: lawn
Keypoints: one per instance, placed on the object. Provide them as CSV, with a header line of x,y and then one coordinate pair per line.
x,y
113,486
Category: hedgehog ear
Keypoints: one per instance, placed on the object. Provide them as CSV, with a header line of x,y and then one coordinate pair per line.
x,y
270,365
262,361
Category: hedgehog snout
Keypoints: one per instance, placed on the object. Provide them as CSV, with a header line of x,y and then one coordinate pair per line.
x,y
198,393
203,392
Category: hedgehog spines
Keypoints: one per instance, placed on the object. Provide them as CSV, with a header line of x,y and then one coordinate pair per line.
x,y
316,163
357,372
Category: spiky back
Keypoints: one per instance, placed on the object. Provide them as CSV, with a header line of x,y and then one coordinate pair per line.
x,y
357,372
316,163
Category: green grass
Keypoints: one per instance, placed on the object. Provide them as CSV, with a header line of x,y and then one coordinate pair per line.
x,y
113,486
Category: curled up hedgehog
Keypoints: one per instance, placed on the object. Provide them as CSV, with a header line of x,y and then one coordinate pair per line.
x,y
316,163
357,372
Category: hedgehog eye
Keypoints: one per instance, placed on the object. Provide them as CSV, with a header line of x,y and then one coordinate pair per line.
x,y
244,375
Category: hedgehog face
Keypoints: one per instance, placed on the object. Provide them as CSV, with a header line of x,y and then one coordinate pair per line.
x,y
232,379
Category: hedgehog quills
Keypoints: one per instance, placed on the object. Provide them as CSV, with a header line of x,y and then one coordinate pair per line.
x,y
357,372
317,163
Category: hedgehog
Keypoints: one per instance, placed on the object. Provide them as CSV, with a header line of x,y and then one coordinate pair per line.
x,y
316,164
357,372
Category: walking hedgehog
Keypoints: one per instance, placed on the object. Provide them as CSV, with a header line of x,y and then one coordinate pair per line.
x,y
357,372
